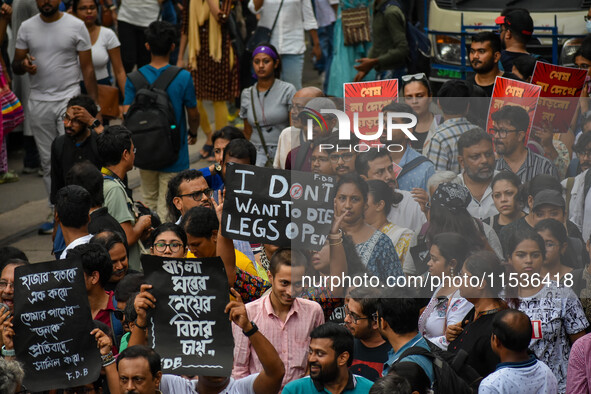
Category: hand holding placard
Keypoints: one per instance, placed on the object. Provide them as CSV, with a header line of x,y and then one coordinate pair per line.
x,y
143,301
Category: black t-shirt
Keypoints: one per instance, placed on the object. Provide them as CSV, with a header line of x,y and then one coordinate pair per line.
x,y
475,340
369,362
418,144
101,220
507,58
489,88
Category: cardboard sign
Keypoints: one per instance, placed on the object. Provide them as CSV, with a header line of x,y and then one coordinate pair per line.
x,y
278,207
561,89
52,322
367,99
188,327
511,92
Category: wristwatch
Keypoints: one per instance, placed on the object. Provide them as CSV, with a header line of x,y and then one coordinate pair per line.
x,y
96,123
252,331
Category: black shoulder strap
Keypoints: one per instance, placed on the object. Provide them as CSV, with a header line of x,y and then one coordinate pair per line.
x,y
166,78
411,165
416,351
138,80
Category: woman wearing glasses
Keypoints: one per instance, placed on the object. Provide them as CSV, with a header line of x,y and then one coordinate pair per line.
x,y
169,240
448,252
417,92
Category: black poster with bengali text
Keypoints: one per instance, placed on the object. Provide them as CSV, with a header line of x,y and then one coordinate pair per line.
x,y
278,207
188,328
52,322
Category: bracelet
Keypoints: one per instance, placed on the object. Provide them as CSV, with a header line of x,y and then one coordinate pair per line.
x,y
107,359
8,352
336,237
141,327
336,243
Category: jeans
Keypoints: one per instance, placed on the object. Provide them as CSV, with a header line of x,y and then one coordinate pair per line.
x,y
292,67
325,36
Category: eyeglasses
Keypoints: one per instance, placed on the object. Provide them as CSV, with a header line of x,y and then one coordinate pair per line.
x,y
353,316
345,157
502,132
582,66
584,153
197,196
415,77
68,119
174,246
4,284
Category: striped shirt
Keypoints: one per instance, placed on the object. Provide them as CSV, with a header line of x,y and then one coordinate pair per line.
x,y
291,338
533,165
443,147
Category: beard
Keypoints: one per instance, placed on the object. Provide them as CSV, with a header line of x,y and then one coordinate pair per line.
x,y
484,67
48,10
324,374
479,175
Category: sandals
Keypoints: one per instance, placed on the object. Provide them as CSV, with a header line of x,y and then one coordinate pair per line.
x,y
206,151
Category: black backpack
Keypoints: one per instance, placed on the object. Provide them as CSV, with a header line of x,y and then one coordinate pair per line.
x,y
452,374
152,122
419,45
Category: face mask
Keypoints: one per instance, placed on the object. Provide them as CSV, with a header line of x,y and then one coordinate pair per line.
x,y
588,26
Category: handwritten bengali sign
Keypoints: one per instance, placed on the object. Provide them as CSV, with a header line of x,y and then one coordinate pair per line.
x,y
512,92
188,327
53,324
561,89
278,207
367,99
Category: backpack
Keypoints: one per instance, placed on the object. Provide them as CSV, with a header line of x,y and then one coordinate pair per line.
x,y
419,45
152,122
452,374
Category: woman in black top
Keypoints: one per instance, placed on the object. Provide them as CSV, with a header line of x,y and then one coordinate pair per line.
x,y
505,192
482,284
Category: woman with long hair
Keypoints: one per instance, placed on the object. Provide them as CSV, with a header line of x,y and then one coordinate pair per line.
x,y
448,252
506,197
418,93
265,106
556,241
555,308
376,250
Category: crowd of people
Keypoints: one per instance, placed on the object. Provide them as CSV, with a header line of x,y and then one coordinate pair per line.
x,y
505,205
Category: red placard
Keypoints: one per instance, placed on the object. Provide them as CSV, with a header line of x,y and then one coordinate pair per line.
x,y
367,99
511,92
561,88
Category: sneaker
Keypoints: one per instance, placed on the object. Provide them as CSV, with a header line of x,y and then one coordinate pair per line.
x,y
30,170
46,228
8,177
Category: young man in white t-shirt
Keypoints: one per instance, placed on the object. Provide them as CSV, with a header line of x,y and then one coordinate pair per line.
x,y
518,372
54,49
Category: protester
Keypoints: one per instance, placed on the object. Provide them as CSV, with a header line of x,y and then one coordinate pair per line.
x,y
285,320
169,240
506,196
106,48
186,190
319,158
71,214
415,169
556,241
523,67
472,334
446,307
114,243
116,148
12,375
516,28
582,149
557,309
518,371
554,149
267,114
578,377
511,124
371,350
330,356
392,384
453,100
418,94
220,139
376,250
160,38
133,17
49,94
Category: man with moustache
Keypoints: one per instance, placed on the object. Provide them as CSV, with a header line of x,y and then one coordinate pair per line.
x,y
54,48
510,128
371,349
329,359
477,159
77,144
485,54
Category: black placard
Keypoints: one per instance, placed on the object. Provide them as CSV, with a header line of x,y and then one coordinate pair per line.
x,y
188,327
277,207
52,323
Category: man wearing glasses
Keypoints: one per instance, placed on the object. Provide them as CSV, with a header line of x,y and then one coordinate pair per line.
x,y
371,350
509,134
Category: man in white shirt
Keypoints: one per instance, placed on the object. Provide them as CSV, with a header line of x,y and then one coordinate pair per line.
x,y
71,213
54,49
477,160
518,372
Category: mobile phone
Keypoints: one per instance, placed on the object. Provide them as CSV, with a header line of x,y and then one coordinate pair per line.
x,y
4,308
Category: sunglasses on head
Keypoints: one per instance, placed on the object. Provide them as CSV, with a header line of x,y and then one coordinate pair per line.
x,y
414,77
